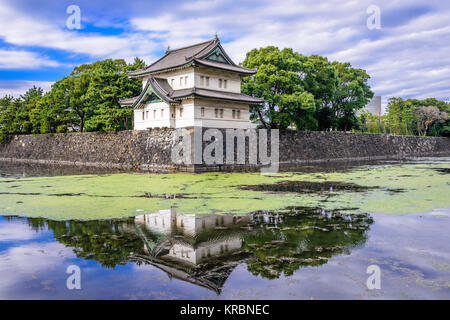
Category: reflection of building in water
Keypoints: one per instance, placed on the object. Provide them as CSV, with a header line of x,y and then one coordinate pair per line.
x,y
190,242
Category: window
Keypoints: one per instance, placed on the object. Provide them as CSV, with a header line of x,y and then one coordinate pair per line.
x,y
154,114
216,112
181,81
202,112
239,114
234,114
146,115
181,112
172,82
225,83
207,81
202,80
162,113
221,113
185,80
143,115
220,83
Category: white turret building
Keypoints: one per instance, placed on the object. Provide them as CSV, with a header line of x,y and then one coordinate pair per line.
x,y
198,85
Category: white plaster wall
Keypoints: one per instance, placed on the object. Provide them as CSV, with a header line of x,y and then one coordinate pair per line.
x,y
209,118
151,119
175,75
162,221
203,251
194,74
233,80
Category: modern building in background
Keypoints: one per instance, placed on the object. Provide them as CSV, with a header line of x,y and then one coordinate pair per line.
x,y
374,106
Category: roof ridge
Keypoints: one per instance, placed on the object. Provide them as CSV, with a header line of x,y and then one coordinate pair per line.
x,y
190,46
170,51
155,81
200,53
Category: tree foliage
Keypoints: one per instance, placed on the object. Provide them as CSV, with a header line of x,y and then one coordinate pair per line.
x,y
418,117
306,92
85,100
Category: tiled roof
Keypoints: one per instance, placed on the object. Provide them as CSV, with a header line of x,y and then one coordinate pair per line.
x,y
128,102
189,55
224,66
163,90
214,94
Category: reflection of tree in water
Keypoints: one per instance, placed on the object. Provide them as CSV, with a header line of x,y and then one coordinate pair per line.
x,y
281,244
272,244
109,242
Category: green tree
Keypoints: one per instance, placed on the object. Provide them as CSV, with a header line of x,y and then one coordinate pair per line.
x,y
308,92
401,116
414,117
279,83
352,94
109,84
15,114
321,79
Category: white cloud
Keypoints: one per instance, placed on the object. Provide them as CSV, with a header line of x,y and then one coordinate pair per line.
x,y
19,59
409,56
16,88
25,30
15,232
29,261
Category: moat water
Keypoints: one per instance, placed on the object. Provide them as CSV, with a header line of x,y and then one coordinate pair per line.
x,y
310,234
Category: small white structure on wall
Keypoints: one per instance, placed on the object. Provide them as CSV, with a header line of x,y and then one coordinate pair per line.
x,y
198,85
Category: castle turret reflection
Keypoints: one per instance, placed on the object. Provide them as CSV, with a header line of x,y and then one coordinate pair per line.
x,y
192,238
204,249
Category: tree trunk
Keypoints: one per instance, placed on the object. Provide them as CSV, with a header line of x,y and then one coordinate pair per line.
x,y
125,123
82,124
262,120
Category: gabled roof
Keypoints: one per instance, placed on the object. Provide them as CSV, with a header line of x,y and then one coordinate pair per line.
x,y
197,54
161,88
158,86
215,94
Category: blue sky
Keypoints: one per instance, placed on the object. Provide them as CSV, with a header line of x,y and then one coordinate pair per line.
x,y
409,56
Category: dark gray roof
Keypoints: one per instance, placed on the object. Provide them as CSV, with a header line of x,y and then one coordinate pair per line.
x,y
159,86
224,66
190,55
163,90
214,94
128,102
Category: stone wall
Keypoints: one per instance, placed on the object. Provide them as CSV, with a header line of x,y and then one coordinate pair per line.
x,y
335,146
151,150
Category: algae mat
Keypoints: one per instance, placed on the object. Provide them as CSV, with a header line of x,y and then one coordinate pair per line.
x,y
394,189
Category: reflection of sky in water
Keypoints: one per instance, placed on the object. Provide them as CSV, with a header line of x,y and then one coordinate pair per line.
x,y
411,250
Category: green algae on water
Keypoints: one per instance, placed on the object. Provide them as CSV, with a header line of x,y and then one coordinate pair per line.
x,y
393,189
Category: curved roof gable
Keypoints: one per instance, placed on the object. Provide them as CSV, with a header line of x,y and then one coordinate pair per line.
x,y
161,88
209,53
157,86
